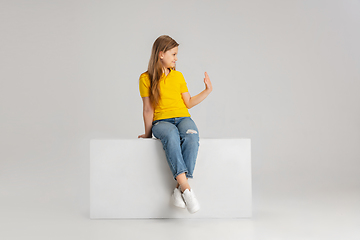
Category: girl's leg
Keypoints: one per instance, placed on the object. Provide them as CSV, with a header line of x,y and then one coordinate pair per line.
x,y
189,138
178,184
170,139
182,182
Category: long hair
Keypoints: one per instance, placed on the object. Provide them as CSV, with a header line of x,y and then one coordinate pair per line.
x,y
162,43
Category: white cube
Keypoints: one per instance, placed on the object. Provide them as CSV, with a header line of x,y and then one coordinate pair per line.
x,y
130,178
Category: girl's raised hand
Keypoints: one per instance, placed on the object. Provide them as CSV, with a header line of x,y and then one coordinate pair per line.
x,y
207,82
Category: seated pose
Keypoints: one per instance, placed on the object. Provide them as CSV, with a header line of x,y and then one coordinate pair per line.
x,y
166,101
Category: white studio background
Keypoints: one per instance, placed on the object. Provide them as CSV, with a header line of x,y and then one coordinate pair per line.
x,y
285,74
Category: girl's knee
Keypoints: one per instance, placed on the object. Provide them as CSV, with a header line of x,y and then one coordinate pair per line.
x,y
165,131
191,136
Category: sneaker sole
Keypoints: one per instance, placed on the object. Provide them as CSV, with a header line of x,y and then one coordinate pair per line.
x,y
194,211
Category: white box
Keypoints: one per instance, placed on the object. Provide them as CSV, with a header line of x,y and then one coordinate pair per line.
x,y
130,178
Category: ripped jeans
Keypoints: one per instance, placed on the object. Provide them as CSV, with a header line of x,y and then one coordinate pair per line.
x,y
180,140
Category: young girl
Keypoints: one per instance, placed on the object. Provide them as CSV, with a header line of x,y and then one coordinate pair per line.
x,y
166,101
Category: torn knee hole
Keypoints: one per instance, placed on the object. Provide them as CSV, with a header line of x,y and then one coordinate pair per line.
x,y
191,131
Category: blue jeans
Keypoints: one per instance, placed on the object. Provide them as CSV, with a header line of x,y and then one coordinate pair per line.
x,y
180,140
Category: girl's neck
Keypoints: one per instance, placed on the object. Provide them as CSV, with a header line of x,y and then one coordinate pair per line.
x,y
166,71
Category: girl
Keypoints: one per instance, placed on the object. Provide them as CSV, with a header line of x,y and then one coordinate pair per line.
x,y
166,101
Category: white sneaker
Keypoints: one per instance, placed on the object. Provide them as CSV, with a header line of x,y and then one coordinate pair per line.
x,y
191,202
176,198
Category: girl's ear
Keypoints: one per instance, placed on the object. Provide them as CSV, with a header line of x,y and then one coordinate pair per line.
x,y
161,54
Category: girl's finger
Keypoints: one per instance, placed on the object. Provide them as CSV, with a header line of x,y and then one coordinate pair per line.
x,y
206,75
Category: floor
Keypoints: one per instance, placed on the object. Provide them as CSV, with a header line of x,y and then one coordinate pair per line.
x,y
322,215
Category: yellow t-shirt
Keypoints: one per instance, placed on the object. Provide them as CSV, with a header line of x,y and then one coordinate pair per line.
x,y
171,104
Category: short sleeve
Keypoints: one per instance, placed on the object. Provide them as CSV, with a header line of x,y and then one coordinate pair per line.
x,y
183,86
144,85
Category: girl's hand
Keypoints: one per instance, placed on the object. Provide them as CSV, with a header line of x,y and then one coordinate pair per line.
x,y
143,136
207,82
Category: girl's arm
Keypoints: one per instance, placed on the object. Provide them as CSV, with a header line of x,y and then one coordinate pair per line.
x,y
192,101
148,114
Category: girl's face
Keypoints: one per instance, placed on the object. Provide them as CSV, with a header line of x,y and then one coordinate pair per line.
x,y
169,58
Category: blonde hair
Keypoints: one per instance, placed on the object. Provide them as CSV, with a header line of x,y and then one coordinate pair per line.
x,y
162,43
